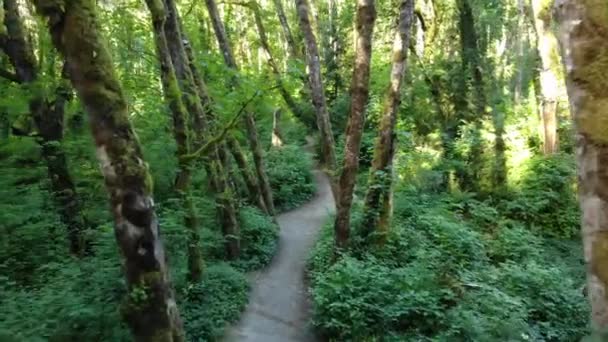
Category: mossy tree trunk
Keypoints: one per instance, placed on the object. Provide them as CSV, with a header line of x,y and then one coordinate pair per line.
x,y
198,103
173,97
378,199
248,119
366,17
583,36
294,51
250,181
150,309
48,116
546,45
328,155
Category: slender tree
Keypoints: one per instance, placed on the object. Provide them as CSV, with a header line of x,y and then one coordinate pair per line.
x,y
74,28
549,85
291,42
366,17
328,155
249,121
583,37
377,208
48,116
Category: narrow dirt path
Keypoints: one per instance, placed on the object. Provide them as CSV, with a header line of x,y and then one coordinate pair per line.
x,y
278,308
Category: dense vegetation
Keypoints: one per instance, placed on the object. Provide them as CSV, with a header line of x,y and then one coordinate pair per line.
x,y
443,127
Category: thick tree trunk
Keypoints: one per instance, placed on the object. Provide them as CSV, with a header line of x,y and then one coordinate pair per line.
x,y
48,118
249,121
291,42
583,35
328,155
549,85
378,201
74,28
173,97
255,197
366,17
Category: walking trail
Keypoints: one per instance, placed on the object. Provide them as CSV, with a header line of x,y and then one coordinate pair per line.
x,y
279,308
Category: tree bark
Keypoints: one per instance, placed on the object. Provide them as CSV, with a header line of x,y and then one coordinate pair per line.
x,y
546,44
48,117
277,136
583,36
255,197
291,42
377,209
230,226
150,310
249,121
328,155
366,17
173,97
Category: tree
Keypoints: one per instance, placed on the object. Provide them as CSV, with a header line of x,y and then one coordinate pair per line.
x,y
150,309
377,209
583,37
48,116
366,17
546,44
291,42
328,155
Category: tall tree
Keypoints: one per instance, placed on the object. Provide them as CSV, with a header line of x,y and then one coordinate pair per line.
x,y
48,115
546,44
74,28
249,121
583,36
364,28
377,208
291,42
173,97
328,155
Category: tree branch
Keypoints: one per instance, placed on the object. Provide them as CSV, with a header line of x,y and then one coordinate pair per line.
x,y
205,149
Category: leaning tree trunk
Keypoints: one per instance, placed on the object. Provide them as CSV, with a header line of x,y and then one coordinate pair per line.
x,y
366,17
173,97
549,85
255,197
328,155
378,200
291,42
277,137
249,121
48,117
583,36
198,103
152,315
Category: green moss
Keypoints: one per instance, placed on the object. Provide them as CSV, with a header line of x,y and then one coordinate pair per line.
x,y
599,258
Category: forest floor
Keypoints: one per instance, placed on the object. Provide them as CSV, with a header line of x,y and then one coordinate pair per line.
x,y
279,308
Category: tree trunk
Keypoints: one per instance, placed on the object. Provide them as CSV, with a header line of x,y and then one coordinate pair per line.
x,y
198,103
277,136
48,118
583,36
255,197
378,197
328,155
152,314
291,42
366,17
549,85
252,135
173,97
230,226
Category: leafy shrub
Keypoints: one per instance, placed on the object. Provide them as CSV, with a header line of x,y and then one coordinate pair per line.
x,y
357,299
217,300
547,200
290,176
258,239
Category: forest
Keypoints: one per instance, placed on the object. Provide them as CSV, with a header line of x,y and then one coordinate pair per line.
x,y
306,170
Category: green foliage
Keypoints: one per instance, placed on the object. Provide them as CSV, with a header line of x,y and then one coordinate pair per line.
x,y
547,185
217,300
259,239
291,181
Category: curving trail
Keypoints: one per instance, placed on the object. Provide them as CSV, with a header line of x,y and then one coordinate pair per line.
x,y
279,309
